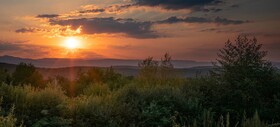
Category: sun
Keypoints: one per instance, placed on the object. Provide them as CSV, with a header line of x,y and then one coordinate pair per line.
x,y
72,43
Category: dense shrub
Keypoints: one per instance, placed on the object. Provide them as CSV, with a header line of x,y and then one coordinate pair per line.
x,y
5,76
33,104
9,120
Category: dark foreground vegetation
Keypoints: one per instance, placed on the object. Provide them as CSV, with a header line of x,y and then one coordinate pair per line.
x,y
242,91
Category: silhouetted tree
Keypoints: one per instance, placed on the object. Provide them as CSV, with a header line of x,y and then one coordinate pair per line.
x,y
166,61
167,72
27,74
157,72
243,59
248,80
148,70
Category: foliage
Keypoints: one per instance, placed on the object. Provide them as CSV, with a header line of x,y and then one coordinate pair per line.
x,y
99,76
4,76
246,80
27,74
154,72
9,120
243,60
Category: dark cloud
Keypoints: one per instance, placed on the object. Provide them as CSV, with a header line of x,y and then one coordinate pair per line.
x,y
194,5
177,4
110,25
29,30
217,20
209,30
175,19
47,16
214,10
225,21
110,9
26,30
98,10
234,6
217,30
120,7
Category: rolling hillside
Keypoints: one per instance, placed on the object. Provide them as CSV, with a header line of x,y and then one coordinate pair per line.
x,y
71,72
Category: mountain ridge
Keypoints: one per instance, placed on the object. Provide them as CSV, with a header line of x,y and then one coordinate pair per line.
x,y
67,62
104,62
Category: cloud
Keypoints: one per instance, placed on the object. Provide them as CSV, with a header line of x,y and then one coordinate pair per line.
x,y
235,5
95,10
23,49
47,16
26,30
225,21
212,9
195,5
217,20
177,4
30,30
175,19
129,27
209,30
218,30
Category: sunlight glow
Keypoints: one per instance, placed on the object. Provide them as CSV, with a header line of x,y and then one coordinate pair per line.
x,y
72,43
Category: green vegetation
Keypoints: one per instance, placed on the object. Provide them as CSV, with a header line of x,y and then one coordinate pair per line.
x,y
242,91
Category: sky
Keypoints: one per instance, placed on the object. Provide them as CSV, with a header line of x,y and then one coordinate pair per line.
x,y
135,29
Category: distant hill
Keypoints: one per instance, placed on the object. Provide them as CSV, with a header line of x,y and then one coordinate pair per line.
x,y
60,62
69,68
72,72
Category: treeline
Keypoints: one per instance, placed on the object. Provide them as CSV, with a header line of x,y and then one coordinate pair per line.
x,y
242,90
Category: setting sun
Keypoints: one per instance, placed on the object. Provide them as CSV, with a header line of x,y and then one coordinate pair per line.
x,y
72,43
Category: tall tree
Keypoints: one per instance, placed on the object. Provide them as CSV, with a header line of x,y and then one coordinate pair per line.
x,y
241,60
248,81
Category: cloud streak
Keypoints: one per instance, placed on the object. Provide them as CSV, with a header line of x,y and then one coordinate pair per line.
x,y
217,20
91,9
26,30
176,4
47,16
129,27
